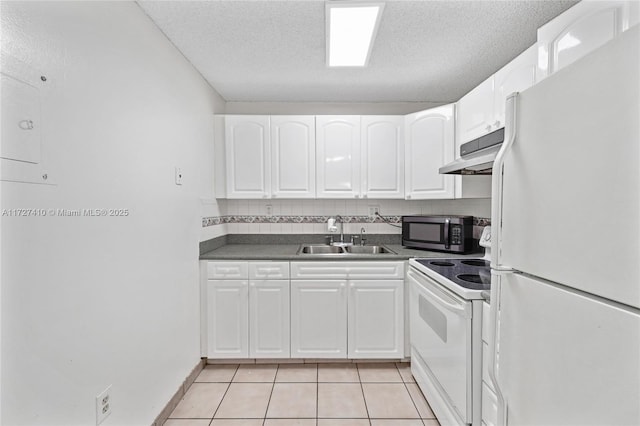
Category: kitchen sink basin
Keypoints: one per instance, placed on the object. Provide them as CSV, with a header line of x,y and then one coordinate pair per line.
x,y
320,249
368,250
342,250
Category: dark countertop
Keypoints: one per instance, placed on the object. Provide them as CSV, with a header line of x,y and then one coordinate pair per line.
x,y
288,252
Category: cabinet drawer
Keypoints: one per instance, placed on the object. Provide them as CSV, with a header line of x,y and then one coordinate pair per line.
x,y
268,270
485,322
485,366
227,270
489,406
348,270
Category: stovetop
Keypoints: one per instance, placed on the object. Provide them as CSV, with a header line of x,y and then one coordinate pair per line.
x,y
471,274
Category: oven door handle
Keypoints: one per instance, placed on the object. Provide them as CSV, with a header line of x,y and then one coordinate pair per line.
x,y
457,309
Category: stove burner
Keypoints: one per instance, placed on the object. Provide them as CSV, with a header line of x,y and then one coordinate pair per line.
x,y
440,263
476,262
471,278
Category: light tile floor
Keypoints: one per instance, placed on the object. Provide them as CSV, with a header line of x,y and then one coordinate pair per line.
x,y
335,394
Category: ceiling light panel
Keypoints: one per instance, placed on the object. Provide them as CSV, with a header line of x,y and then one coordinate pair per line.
x,y
351,30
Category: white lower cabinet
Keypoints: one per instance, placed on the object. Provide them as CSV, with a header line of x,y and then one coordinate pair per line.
x,y
318,319
376,319
269,319
347,310
227,307
247,310
333,309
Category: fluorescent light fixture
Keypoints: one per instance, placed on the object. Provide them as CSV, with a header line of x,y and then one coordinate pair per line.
x,y
351,29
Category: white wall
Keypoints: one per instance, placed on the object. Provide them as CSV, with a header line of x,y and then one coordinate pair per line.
x,y
89,302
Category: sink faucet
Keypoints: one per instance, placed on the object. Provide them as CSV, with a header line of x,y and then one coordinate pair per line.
x,y
362,239
331,226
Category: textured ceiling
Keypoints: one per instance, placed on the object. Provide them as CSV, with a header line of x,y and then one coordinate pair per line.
x,y
274,51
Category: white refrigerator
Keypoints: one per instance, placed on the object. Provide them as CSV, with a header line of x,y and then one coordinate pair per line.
x,y
565,297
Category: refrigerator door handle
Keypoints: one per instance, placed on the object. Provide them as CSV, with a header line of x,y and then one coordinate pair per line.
x,y
497,178
494,335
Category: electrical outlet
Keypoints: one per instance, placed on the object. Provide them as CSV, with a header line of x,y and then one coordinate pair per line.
x,y
178,176
103,405
373,210
269,209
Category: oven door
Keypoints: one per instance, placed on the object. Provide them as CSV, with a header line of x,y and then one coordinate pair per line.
x,y
440,327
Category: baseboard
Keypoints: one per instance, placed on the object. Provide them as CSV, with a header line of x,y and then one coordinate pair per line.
x,y
179,393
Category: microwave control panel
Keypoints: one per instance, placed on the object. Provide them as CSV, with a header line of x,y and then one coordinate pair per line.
x,y
456,234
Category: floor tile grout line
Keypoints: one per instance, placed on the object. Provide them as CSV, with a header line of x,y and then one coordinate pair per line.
x,y
411,397
366,407
225,393
273,386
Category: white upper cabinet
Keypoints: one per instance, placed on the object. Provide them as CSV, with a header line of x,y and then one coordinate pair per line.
x,y
247,153
475,112
581,29
516,76
382,156
293,153
481,111
429,144
338,156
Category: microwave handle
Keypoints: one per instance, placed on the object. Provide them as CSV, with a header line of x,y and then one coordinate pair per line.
x,y
447,222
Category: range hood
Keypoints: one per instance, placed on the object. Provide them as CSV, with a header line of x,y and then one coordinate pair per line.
x,y
476,156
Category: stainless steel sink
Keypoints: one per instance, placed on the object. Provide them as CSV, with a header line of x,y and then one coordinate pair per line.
x,y
342,250
368,250
320,249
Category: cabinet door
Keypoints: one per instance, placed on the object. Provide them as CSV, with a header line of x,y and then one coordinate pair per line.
x,y
228,326
338,156
475,112
376,319
429,137
581,29
516,76
247,154
382,153
293,156
269,319
318,319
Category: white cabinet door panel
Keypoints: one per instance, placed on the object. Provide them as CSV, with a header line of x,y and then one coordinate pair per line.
x,y
228,313
516,76
382,155
269,319
247,149
429,145
338,156
318,319
475,112
376,319
293,153
582,29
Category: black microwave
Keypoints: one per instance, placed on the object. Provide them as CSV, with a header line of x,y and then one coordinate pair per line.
x,y
443,233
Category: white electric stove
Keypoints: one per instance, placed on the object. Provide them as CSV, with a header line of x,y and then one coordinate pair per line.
x,y
445,306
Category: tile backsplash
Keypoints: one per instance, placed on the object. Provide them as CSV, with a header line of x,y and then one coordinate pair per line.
x,y
310,216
